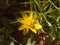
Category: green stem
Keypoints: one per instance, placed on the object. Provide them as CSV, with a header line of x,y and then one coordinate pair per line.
x,y
38,5
31,5
53,5
46,19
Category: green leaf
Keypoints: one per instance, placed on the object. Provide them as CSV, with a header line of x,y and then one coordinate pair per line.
x,y
29,42
52,31
12,43
38,5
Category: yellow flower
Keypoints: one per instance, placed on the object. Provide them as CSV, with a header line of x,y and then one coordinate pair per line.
x,y
28,23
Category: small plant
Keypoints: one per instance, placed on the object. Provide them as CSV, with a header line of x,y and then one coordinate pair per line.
x,y
29,22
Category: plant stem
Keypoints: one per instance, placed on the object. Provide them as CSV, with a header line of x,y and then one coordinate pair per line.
x,y
54,5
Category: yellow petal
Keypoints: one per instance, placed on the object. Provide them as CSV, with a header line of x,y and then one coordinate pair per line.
x,y
31,15
21,28
25,16
34,20
37,26
33,30
25,31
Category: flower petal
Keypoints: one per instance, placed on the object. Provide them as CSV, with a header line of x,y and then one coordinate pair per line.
x,y
21,27
25,31
33,30
25,16
37,26
31,15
